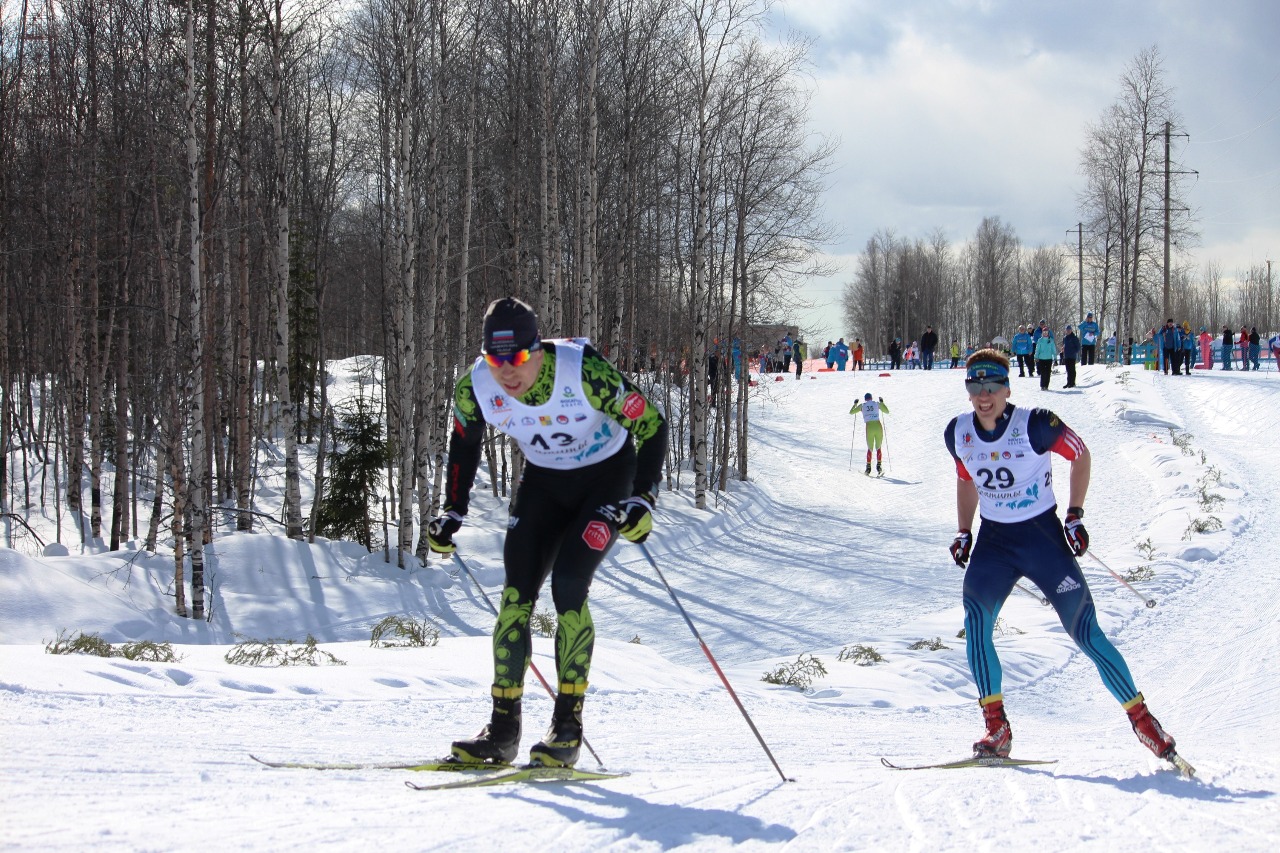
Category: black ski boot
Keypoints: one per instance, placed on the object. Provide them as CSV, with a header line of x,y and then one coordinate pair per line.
x,y
499,741
562,742
879,469
868,471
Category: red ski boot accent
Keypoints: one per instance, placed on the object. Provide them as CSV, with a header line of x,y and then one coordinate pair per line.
x,y
999,738
1149,730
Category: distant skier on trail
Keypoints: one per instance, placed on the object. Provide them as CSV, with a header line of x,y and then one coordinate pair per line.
x,y
594,447
1003,466
871,410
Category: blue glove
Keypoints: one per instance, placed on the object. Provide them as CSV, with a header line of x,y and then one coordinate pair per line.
x,y
440,532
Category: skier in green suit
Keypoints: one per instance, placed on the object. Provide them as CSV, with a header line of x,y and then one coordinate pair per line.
x,y
871,411
594,446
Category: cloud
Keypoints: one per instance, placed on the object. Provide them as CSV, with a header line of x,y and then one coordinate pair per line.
x,y
951,111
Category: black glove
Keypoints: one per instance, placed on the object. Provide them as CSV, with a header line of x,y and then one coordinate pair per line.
x,y
1073,527
634,516
440,532
960,547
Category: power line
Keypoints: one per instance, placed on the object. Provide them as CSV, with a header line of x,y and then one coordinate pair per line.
x,y
1259,126
1264,87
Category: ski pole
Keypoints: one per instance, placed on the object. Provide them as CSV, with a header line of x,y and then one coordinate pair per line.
x,y
533,666
884,442
706,651
1150,602
853,438
1039,598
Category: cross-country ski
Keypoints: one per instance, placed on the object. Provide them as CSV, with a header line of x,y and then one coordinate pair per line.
x,y
527,773
444,765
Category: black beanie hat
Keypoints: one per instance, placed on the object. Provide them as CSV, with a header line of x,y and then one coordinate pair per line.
x,y
509,326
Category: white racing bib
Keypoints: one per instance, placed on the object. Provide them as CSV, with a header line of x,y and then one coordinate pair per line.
x,y
871,410
564,433
1014,482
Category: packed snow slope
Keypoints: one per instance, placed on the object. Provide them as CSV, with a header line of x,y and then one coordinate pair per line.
x,y
807,561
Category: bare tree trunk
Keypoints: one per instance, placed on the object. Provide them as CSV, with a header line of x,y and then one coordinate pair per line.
x,y
588,286
281,236
406,174
120,494
242,367
195,236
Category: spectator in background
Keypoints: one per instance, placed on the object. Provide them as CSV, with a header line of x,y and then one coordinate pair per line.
x,y
1046,351
1088,339
1206,348
895,353
1244,347
928,343
857,354
1022,347
1169,346
1188,348
1228,341
1255,346
1070,352
1274,343
841,354
955,354
799,352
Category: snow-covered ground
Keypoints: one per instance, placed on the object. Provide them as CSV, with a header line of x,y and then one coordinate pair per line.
x,y
809,558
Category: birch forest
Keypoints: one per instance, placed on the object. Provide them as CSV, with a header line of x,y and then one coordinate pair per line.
x,y
202,202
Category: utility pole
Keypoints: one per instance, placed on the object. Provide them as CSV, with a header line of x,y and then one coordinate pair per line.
x,y
1080,264
1167,309
1168,127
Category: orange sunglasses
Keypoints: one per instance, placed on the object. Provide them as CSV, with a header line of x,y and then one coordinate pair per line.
x,y
516,358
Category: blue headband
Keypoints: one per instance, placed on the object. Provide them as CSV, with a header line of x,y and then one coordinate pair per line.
x,y
987,370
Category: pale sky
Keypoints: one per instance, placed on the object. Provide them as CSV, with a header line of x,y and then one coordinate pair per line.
x,y
951,110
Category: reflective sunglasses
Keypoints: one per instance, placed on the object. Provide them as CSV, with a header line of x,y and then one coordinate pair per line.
x,y
991,386
516,358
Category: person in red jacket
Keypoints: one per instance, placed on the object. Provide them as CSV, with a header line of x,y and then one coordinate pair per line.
x,y
1244,347
1206,348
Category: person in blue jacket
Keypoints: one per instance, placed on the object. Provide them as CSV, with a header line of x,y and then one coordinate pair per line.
x,y
1188,348
1021,346
1170,345
841,353
1157,346
1070,352
1088,339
